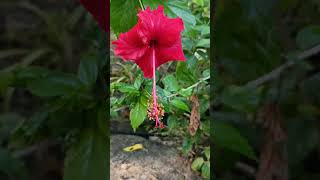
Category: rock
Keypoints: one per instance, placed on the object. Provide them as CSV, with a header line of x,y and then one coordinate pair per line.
x,y
155,162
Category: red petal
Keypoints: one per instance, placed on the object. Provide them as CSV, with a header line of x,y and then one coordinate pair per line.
x,y
152,26
174,52
155,25
100,11
145,64
130,45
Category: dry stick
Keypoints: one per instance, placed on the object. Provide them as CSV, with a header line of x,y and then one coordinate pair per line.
x,y
275,73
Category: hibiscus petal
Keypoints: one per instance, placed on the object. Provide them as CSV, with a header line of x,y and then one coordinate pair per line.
x,y
166,54
130,46
154,31
145,64
170,31
155,25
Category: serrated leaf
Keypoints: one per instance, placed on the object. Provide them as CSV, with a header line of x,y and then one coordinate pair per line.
x,y
87,159
197,164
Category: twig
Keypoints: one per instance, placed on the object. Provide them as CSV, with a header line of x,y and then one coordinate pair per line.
x,y
276,72
190,87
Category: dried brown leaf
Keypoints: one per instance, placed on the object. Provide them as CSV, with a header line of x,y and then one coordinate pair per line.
x,y
195,116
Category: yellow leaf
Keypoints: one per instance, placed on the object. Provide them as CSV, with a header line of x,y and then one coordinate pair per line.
x,y
135,147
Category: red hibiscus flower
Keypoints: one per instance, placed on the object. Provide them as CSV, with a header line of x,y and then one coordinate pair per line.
x,y
153,35
153,41
100,11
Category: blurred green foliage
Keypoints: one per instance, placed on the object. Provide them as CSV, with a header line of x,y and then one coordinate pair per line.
x,y
58,62
262,51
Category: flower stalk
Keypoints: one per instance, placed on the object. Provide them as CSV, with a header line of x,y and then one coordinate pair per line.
x,y
157,112
141,5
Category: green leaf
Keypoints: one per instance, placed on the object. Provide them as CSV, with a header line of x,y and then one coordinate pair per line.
x,y
180,105
138,81
184,74
308,37
88,71
205,127
186,145
6,79
198,2
126,88
204,43
25,75
170,83
138,113
55,84
123,15
205,170
185,92
87,159
197,164
173,9
226,136
181,9
207,152
172,122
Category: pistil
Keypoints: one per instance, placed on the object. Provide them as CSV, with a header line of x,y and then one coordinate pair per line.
x,y
155,110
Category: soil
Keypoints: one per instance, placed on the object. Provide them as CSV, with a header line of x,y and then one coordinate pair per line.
x,y
155,162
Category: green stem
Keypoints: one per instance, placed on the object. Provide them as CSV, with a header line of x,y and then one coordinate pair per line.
x,y
141,5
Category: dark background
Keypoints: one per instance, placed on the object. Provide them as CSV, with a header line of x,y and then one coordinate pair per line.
x,y
53,92
266,89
